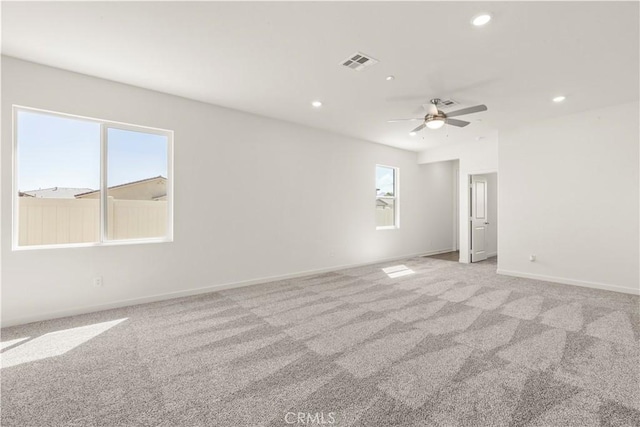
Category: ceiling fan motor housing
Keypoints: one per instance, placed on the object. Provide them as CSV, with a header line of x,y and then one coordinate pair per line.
x,y
440,114
431,117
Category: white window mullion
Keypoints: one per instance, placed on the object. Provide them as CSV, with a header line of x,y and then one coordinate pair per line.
x,y
170,186
396,196
104,201
16,197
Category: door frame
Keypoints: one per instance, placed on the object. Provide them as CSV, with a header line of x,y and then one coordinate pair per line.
x,y
474,221
456,206
465,206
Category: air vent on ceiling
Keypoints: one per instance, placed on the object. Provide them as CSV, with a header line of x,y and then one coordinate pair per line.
x,y
358,61
447,103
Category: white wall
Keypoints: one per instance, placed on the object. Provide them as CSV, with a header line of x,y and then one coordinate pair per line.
x,y
569,194
492,213
298,200
438,212
475,157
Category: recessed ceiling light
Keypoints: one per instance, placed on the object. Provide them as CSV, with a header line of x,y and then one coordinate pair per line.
x,y
412,133
389,78
316,104
559,98
480,20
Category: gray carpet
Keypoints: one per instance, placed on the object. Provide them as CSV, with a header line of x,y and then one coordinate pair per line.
x,y
450,345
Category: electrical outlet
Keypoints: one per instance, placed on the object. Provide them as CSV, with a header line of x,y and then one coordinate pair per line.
x,y
97,281
532,258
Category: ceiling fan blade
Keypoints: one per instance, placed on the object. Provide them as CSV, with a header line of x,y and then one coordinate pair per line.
x,y
430,109
469,110
456,122
419,128
404,120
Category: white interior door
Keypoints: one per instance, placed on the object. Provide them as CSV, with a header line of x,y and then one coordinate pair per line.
x,y
479,220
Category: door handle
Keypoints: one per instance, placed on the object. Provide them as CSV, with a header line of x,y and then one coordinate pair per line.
x,y
486,223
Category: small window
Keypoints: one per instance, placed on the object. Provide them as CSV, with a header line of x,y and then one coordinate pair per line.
x,y
86,181
386,197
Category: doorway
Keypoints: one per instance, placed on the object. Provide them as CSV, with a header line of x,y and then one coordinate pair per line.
x,y
447,256
483,216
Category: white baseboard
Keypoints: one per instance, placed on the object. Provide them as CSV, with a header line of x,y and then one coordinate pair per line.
x,y
492,254
566,281
437,252
197,291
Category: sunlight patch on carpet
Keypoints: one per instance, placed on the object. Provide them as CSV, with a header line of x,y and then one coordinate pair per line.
x,y
54,343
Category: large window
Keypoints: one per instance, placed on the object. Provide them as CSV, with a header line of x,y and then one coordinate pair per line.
x,y
386,197
83,181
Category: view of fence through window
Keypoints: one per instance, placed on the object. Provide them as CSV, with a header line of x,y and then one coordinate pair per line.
x,y
58,166
386,197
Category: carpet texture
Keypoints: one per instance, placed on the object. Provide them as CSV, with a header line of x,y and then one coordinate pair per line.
x,y
449,345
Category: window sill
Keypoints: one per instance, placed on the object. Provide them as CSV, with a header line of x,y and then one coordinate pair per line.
x,y
94,244
390,227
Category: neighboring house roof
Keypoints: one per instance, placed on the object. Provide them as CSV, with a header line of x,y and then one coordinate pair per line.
x,y
54,192
141,181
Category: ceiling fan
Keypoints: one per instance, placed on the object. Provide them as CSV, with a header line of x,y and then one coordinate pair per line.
x,y
435,118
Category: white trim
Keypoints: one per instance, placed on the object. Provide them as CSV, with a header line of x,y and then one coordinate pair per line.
x,y
170,185
197,291
125,126
95,244
456,205
492,254
438,252
566,281
104,195
15,216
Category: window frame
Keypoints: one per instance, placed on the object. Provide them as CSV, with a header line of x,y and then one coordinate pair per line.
x,y
396,196
104,126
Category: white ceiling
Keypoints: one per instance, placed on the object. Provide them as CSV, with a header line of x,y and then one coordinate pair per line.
x,y
273,59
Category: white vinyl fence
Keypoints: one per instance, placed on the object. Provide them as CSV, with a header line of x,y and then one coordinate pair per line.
x,y
58,221
384,216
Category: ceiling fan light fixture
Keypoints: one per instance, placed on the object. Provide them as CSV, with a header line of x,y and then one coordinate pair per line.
x,y
481,19
412,133
435,123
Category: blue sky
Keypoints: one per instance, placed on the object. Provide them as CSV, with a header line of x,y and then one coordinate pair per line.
x,y
56,151
384,180
132,156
